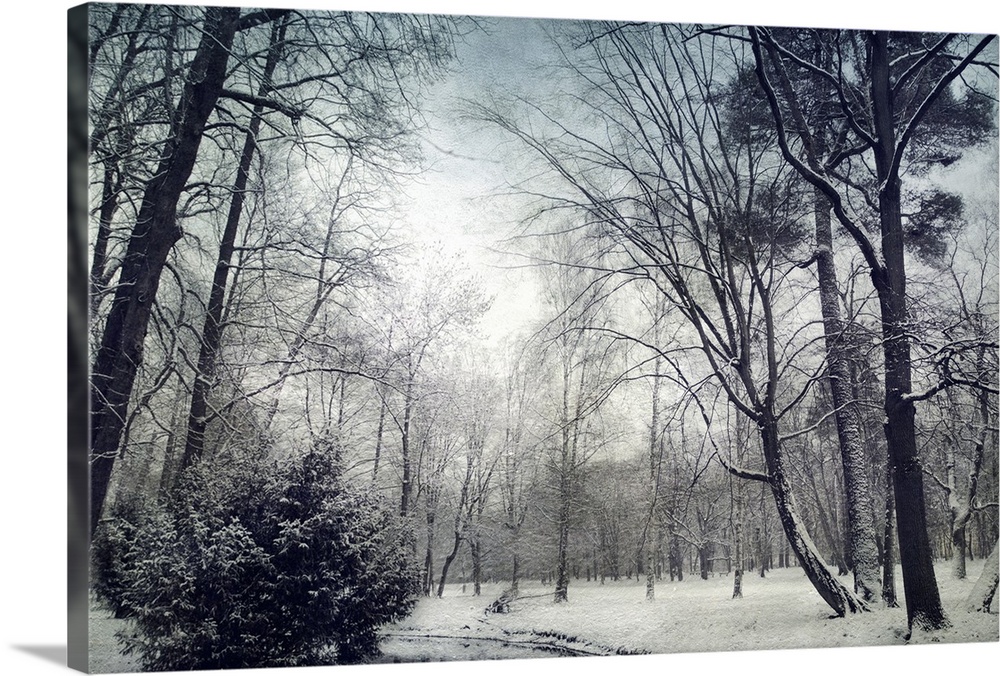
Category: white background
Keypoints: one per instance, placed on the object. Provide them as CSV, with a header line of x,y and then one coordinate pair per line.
x,y
32,358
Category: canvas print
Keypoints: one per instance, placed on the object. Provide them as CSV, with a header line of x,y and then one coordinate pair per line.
x,y
414,337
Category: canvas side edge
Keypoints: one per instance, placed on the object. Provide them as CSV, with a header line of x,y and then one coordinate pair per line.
x,y
78,574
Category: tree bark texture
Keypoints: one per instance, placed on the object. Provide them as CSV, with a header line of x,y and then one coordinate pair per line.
x,y
655,457
923,601
567,462
860,508
156,230
562,542
407,487
737,549
841,599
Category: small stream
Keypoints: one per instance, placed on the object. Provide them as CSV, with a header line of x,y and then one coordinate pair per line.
x,y
403,648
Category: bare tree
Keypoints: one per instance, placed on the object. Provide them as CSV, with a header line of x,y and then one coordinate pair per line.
x,y
882,113
694,213
155,232
518,466
429,308
148,134
477,395
581,364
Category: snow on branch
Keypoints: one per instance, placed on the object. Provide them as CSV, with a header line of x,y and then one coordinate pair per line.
x,y
743,473
945,383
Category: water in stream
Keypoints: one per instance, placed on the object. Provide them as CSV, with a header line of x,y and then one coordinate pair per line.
x,y
446,649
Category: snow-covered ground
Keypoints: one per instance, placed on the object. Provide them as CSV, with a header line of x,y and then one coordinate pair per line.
x,y
781,611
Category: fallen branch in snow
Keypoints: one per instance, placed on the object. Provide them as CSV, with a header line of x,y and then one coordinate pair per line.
x,y
502,604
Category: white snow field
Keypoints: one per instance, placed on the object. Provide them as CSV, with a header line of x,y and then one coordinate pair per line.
x,y
780,611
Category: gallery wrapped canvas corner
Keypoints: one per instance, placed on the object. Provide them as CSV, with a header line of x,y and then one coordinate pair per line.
x,y
411,337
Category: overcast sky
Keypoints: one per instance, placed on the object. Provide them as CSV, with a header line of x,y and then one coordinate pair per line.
x,y
456,200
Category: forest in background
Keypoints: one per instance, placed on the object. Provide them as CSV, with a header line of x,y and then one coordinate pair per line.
x,y
746,258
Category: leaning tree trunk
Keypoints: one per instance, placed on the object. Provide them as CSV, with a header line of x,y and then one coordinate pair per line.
x,y
211,335
156,231
829,532
980,599
860,508
461,521
841,599
447,562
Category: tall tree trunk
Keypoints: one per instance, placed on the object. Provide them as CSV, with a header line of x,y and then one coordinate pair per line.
x,y
737,525
407,485
958,552
515,574
703,560
382,410
676,560
112,186
566,467
923,601
562,542
655,459
171,448
650,569
211,335
476,548
460,522
114,151
429,554
156,231
860,507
